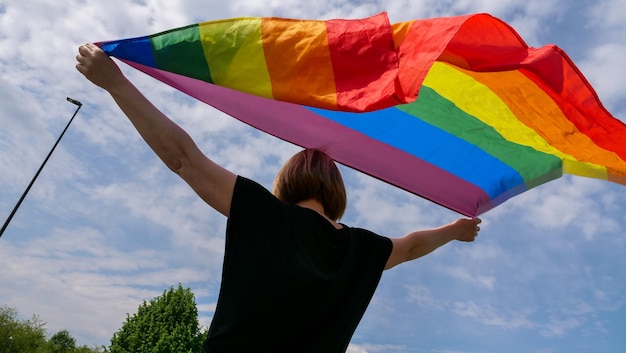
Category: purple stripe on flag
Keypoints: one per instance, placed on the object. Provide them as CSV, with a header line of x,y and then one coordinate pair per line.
x,y
298,125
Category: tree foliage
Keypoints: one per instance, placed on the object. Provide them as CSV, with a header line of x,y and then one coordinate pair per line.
x,y
21,335
30,336
165,324
62,342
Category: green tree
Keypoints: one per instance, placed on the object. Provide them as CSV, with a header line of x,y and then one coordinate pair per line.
x,y
62,342
30,336
21,335
166,324
86,349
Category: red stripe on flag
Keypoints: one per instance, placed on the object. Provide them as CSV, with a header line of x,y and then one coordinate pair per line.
x,y
365,63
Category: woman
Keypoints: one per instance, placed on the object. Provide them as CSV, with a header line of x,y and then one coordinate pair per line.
x,y
294,279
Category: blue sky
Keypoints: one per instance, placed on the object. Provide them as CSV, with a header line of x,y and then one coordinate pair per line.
x,y
107,226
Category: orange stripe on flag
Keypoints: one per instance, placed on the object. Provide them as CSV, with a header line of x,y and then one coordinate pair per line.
x,y
307,79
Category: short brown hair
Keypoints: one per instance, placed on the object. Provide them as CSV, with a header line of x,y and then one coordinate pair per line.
x,y
312,174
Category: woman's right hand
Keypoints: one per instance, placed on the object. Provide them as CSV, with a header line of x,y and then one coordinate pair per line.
x,y
465,229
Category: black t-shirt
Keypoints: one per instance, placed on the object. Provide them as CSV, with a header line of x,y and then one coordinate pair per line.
x,y
291,281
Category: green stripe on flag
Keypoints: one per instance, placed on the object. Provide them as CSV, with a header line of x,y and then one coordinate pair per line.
x,y
180,51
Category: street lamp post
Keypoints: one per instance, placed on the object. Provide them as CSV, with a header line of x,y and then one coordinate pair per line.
x,y
6,223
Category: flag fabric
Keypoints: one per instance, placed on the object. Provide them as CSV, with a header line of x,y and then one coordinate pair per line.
x,y
457,110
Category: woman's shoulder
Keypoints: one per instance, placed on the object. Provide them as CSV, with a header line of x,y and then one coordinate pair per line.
x,y
251,197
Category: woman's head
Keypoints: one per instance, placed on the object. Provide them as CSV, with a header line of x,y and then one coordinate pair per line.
x,y
312,174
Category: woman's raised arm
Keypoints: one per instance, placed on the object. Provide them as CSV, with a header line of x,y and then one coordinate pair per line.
x,y
171,143
419,243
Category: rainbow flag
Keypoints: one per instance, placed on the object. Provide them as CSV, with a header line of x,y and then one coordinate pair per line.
x,y
457,110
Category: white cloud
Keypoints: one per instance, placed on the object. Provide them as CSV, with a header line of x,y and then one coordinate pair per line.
x,y
463,274
77,277
604,68
375,348
307,10
608,15
558,328
424,297
480,251
489,315
529,18
568,202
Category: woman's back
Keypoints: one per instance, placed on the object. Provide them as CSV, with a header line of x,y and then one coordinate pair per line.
x,y
291,281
